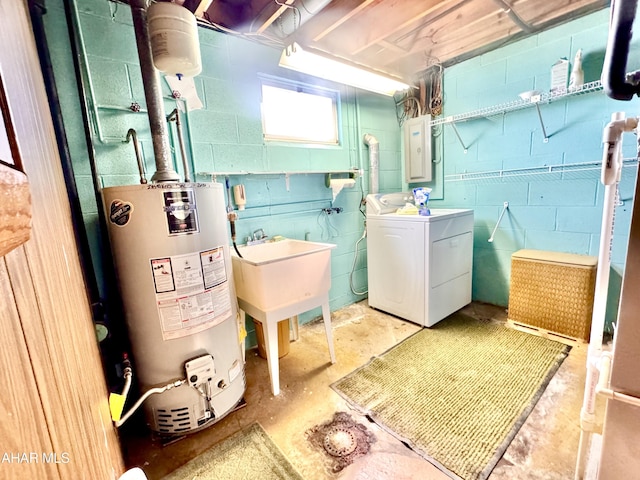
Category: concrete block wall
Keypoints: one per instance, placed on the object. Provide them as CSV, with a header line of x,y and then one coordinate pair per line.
x,y
553,211
224,136
547,211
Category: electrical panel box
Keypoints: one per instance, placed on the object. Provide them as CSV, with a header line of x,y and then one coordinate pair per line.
x,y
417,149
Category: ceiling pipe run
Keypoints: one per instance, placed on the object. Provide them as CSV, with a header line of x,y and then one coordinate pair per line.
x,y
153,95
292,15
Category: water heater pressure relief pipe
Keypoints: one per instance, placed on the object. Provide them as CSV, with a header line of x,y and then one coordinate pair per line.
x,y
611,172
131,134
175,115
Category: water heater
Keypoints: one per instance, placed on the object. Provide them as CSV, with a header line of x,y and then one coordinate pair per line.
x,y
172,259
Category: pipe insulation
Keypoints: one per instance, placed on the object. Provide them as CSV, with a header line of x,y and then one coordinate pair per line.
x,y
374,161
153,96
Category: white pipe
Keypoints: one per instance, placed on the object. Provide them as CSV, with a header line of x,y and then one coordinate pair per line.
x,y
603,384
505,205
374,161
611,171
146,395
128,375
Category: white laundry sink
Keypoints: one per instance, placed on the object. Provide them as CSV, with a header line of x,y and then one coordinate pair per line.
x,y
274,275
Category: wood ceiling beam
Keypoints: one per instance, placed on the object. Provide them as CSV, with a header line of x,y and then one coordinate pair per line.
x,y
202,7
392,46
352,13
388,32
275,16
445,39
555,12
447,50
508,9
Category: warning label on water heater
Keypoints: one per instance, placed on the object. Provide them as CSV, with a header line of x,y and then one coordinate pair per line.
x,y
192,292
180,207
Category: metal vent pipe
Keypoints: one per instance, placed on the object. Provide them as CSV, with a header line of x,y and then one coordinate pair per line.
x,y
153,95
374,161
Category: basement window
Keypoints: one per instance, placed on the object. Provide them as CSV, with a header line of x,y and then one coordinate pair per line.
x,y
300,113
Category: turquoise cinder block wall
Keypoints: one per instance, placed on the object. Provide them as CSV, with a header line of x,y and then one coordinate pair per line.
x,y
547,210
224,136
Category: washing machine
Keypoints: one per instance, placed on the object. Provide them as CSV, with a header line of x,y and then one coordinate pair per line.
x,y
419,267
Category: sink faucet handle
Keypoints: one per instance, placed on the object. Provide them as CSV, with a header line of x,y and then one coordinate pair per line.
x,y
259,234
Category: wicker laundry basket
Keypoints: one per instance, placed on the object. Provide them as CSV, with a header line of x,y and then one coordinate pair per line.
x,y
553,291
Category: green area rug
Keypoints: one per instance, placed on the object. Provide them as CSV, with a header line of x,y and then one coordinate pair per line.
x,y
247,455
456,393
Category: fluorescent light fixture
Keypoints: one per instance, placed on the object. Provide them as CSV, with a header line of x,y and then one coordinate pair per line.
x,y
318,65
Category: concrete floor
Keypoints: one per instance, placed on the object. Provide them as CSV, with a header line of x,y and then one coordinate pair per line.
x,y
545,448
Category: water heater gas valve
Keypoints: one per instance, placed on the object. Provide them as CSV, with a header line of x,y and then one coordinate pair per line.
x,y
200,370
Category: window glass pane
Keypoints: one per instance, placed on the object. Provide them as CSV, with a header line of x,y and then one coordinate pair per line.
x,y
299,115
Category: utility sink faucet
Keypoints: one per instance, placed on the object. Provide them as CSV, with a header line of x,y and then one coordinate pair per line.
x,y
258,237
259,234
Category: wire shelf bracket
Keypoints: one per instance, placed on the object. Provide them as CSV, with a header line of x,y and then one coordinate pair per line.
x,y
453,125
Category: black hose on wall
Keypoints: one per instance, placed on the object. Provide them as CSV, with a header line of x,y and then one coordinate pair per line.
x,y
616,86
37,10
105,310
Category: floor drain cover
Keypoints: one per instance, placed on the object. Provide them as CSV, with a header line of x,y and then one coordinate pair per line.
x,y
342,438
339,442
